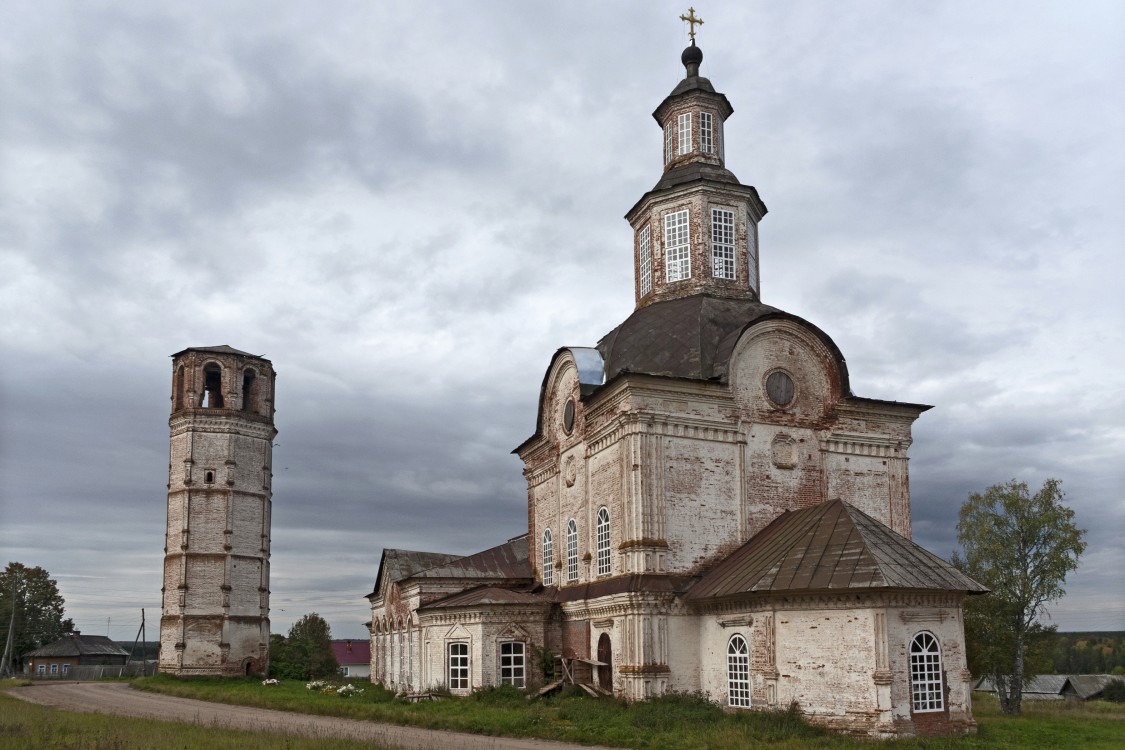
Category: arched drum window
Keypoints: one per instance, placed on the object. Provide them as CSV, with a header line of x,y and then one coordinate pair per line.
x,y
604,566
571,550
925,674
548,559
738,672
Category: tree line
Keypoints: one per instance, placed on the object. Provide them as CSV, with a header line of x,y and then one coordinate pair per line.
x,y
1089,653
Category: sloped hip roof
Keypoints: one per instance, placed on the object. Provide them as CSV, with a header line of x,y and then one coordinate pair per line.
x,y
830,546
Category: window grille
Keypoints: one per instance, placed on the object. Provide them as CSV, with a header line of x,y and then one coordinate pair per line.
x,y
706,134
644,249
571,550
683,133
738,672
458,666
548,559
512,663
604,561
752,254
677,257
722,243
925,674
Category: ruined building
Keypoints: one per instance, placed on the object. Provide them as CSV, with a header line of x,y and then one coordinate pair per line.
x,y
215,617
710,507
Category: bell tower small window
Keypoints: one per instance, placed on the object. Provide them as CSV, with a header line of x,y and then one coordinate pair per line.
x,y
722,243
668,153
683,133
706,133
644,262
212,387
249,391
677,255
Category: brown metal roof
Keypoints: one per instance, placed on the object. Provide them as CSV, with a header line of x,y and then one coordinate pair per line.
x,y
831,546
222,349
397,564
79,645
508,560
487,595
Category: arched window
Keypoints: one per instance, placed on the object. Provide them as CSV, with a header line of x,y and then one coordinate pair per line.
x,y
458,666
571,550
738,672
548,558
212,387
925,674
602,543
250,391
178,389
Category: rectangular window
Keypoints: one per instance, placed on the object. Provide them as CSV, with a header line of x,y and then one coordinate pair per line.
x,y
706,133
41,669
65,668
458,666
752,254
54,669
644,250
683,133
512,663
571,551
722,243
668,143
677,257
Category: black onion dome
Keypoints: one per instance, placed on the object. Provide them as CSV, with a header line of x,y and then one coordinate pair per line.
x,y
692,56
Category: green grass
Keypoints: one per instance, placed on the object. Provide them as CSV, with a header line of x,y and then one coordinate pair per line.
x,y
675,722
26,726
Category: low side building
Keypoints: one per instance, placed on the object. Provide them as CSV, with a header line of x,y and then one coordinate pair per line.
x,y
61,658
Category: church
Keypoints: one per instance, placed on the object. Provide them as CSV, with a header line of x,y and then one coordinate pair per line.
x,y
710,507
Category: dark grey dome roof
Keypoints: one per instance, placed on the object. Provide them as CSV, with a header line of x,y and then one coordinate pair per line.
x,y
692,337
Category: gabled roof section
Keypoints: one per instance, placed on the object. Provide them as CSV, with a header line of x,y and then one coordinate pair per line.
x,y
504,561
397,564
486,596
831,546
352,651
79,645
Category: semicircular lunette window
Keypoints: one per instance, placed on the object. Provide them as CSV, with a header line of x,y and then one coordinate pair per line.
x,y
780,388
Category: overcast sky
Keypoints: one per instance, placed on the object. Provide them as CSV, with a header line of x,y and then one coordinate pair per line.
x,y
409,208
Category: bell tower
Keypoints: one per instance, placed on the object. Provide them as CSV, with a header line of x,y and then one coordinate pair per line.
x,y
215,616
696,231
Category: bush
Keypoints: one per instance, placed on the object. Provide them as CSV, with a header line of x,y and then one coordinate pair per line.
x,y
1114,692
501,695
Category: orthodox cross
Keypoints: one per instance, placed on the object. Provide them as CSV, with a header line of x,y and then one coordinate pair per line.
x,y
692,20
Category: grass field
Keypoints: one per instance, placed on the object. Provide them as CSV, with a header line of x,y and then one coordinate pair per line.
x,y
673,723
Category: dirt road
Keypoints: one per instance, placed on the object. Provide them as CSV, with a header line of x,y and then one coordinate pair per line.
x,y
120,700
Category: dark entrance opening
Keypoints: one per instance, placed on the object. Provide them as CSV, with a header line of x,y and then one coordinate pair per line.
x,y
605,656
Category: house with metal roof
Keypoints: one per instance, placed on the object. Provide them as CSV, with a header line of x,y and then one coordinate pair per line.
x,y
710,506
63,657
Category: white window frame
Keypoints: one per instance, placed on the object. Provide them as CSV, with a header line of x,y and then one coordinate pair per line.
x,y
722,244
457,666
677,245
738,672
548,558
605,561
668,152
683,133
41,669
752,254
571,550
706,133
513,663
926,688
644,250
54,669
